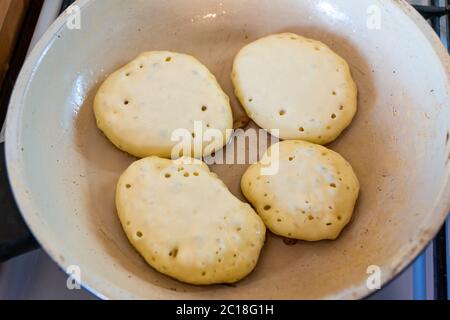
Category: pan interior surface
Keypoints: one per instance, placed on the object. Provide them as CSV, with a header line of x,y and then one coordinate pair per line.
x,y
64,171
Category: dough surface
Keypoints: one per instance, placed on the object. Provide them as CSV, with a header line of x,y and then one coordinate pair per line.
x,y
186,224
297,85
312,196
139,106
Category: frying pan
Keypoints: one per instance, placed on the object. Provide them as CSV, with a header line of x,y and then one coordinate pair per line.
x,y
63,171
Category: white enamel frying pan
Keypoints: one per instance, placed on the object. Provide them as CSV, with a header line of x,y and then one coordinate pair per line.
x,y
63,170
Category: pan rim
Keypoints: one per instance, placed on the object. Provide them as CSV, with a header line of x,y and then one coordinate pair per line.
x,y
104,289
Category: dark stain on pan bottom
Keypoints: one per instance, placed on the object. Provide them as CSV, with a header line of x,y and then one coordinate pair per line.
x,y
290,242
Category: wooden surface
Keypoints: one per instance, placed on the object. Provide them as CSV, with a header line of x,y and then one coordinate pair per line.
x,y
12,13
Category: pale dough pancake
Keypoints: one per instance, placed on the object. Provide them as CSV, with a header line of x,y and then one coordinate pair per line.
x,y
296,85
311,197
140,106
186,224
